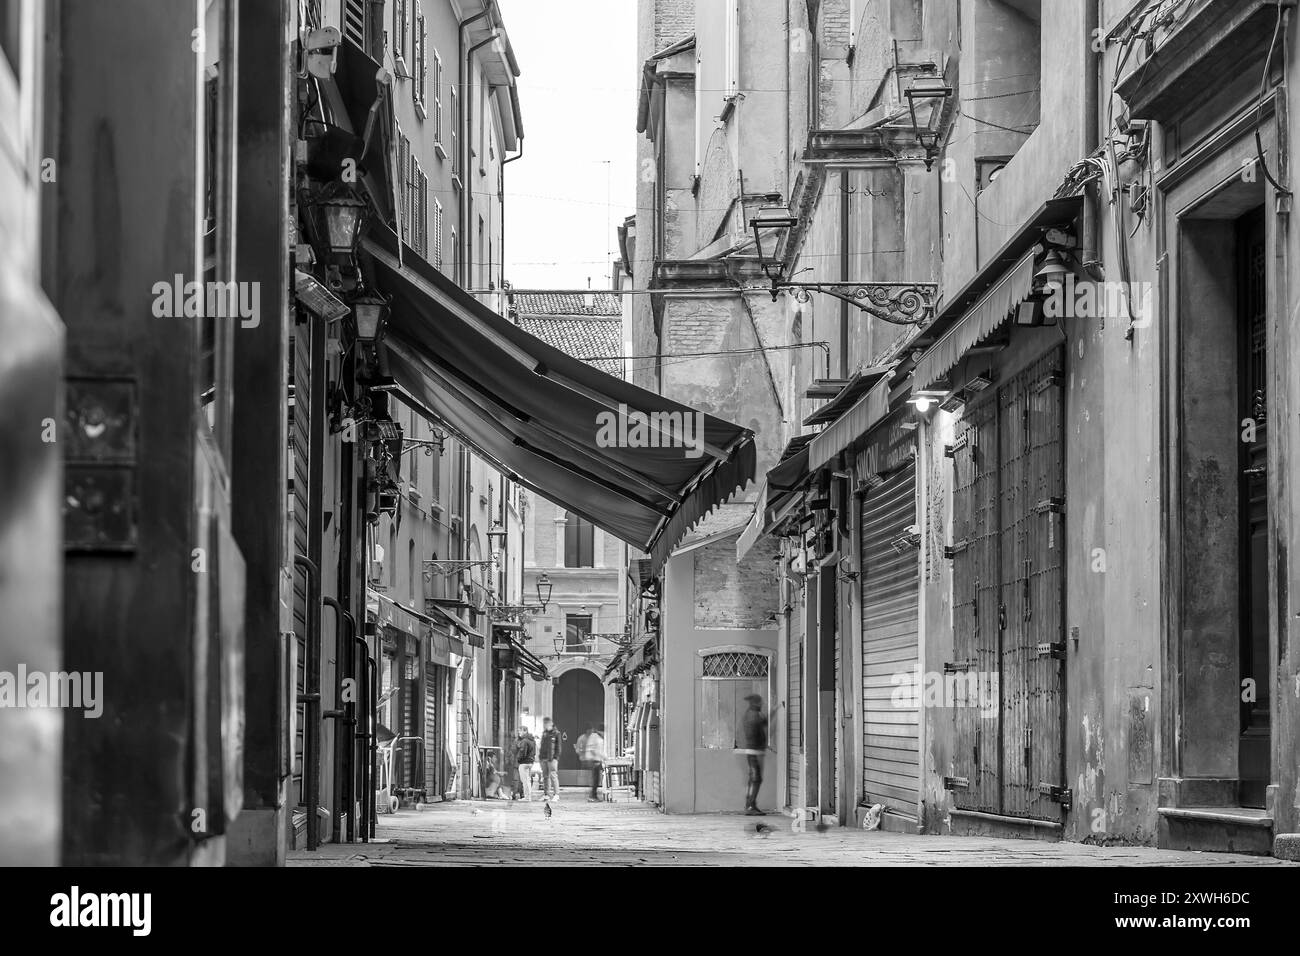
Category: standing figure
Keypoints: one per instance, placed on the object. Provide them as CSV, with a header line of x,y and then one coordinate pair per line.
x,y
753,729
525,754
549,754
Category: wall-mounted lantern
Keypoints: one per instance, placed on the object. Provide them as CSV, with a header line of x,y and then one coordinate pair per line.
x,y
371,313
937,90
544,591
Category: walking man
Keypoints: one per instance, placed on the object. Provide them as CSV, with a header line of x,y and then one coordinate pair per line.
x,y
525,754
549,754
753,729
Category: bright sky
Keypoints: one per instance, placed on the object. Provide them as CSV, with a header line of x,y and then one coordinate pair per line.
x,y
576,181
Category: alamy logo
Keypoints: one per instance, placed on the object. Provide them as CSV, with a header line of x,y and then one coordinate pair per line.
x,y
635,429
1100,300
63,689
972,688
213,300
74,908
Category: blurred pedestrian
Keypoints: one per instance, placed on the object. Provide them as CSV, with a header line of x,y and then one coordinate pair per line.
x,y
753,729
592,750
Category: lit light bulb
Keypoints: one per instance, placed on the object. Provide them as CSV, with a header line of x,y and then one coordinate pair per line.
x,y
923,404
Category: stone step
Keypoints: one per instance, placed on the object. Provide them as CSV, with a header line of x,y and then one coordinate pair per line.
x,y
1216,829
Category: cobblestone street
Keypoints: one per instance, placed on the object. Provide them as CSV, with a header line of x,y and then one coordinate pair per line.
x,y
484,833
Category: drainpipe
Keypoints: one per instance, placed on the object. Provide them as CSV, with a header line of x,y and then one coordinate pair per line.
x,y
462,62
310,700
1089,246
344,782
468,241
844,271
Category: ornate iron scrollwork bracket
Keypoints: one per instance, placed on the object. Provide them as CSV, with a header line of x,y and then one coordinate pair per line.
x,y
899,303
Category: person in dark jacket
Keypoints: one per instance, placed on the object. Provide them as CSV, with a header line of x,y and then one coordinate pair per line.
x,y
525,754
548,752
753,730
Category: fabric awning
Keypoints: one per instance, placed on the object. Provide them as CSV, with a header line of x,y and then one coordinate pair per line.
x,y
389,613
985,317
789,476
439,649
528,661
850,426
461,626
847,396
556,425
943,338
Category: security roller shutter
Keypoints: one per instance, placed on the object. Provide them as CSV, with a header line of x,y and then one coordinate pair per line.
x,y
890,646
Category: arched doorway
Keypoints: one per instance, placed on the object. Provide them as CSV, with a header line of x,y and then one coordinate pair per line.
x,y
579,703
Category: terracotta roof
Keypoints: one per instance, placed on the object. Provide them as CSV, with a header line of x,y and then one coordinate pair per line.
x,y
583,336
557,303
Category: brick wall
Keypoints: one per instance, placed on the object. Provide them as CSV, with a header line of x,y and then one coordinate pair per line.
x,y
674,19
734,595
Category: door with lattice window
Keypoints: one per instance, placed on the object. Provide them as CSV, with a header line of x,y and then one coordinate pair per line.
x,y
1004,682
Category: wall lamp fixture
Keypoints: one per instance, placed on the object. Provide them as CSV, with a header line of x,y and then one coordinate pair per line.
x,y
936,90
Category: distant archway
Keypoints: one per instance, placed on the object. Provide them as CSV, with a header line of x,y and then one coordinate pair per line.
x,y
579,703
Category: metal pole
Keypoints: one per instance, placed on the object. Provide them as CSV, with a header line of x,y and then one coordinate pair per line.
x,y
311,701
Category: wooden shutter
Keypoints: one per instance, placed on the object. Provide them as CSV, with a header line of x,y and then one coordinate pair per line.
x,y
1033,648
1008,541
403,166
975,603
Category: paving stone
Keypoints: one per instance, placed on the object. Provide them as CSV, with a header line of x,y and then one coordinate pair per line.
x,y
634,834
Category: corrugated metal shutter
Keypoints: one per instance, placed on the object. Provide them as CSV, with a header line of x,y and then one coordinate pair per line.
x,y
890,646
794,707
410,712
299,444
433,718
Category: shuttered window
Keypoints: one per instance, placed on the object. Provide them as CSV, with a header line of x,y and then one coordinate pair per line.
x,y
579,542
420,61
727,678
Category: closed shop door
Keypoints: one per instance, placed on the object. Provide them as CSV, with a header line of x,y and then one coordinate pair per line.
x,y
890,647
1008,531
579,703
794,708
435,683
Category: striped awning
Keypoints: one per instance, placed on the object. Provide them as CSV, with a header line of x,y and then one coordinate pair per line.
x,y
993,310
854,423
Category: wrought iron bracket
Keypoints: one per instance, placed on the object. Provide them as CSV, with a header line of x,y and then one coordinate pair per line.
x,y
899,303
450,567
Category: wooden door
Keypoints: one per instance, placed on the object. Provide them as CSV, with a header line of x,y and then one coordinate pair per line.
x,y
579,703
1004,682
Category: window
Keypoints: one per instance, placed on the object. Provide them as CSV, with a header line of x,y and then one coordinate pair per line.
x,y
577,633
417,206
410,572
437,233
404,171
579,542
437,99
727,678
402,27
420,64
455,138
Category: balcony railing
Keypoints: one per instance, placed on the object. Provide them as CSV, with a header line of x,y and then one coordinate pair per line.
x,y
596,645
